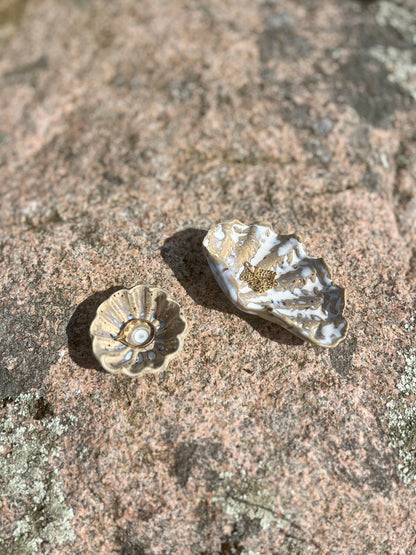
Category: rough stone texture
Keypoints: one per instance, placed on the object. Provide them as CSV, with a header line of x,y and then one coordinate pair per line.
x,y
128,128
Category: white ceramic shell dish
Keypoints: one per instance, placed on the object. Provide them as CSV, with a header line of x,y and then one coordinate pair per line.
x,y
271,276
137,331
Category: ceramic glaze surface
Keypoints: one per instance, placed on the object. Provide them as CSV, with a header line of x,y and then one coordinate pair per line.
x,y
137,331
271,276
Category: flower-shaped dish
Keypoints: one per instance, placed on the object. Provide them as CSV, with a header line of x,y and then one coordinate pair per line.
x,y
137,331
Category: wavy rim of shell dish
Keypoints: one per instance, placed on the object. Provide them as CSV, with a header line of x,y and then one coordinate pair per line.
x,y
137,331
271,276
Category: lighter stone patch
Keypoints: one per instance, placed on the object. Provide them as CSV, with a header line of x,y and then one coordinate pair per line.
x,y
240,496
33,482
401,415
398,17
400,64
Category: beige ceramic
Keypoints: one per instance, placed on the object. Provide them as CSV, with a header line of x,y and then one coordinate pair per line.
x,y
271,276
137,331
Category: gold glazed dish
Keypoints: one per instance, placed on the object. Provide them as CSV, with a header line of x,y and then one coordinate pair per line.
x,y
271,276
137,331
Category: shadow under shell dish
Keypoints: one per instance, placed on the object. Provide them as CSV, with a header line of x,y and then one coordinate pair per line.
x,y
137,331
271,276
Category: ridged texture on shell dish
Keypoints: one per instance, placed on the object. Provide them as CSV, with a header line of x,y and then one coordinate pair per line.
x,y
271,276
137,331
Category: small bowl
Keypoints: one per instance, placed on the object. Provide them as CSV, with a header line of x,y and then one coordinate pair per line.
x,y
271,276
137,331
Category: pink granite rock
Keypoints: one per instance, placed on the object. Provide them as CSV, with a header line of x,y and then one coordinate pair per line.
x,y
126,130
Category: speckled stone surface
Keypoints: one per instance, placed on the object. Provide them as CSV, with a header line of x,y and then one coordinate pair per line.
x,y
126,130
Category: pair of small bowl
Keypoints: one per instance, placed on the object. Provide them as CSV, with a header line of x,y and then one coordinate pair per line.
x,y
137,331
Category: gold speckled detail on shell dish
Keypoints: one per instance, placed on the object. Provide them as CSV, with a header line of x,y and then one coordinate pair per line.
x,y
271,276
137,331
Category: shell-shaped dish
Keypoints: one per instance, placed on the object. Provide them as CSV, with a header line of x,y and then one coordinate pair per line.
x,y
137,331
271,276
